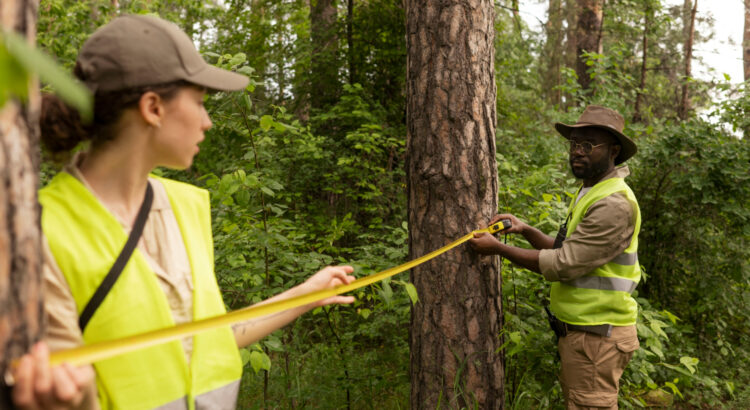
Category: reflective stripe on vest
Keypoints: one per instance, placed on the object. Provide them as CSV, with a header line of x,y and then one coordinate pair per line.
x,y
85,239
603,295
223,398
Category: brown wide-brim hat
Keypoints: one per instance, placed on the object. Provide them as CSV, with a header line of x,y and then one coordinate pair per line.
x,y
135,51
607,119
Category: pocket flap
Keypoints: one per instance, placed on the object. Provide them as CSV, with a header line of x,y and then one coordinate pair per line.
x,y
588,399
628,345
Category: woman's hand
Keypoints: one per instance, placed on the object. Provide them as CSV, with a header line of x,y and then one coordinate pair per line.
x,y
39,386
251,331
328,278
517,226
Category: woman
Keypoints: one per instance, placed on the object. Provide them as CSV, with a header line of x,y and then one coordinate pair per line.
x,y
149,83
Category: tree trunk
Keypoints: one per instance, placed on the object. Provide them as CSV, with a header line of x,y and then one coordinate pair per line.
x,y
350,40
452,189
746,41
324,67
21,315
685,99
516,17
637,117
553,53
588,36
571,22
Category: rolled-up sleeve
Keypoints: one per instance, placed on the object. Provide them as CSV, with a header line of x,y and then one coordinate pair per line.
x,y
603,233
62,319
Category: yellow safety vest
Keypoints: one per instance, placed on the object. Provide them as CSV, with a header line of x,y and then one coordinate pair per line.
x,y
602,296
85,240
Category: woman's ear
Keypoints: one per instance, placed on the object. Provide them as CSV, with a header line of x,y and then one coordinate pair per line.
x,y
151,108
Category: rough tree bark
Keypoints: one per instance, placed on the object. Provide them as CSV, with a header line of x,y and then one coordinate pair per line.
x,y
21,313
324,69
452,189
685,98
588,36
637,117
553,52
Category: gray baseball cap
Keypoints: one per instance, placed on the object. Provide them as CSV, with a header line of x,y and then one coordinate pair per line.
x,y
137,50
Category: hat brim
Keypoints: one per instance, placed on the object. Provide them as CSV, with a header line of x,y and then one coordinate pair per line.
x,y
218,79
627,150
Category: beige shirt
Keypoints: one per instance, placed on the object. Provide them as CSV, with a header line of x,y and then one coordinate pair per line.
x,y
603,233
163,248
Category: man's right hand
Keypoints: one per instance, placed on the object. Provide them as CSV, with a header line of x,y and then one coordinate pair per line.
x,y
517,226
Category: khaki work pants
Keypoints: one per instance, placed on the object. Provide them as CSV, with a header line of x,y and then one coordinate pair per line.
x,y
592,366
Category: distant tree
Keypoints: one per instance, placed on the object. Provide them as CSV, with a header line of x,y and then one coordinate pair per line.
x,y
647,17
452,189
587,36
20,238
690,36
552,52
324,65
746,41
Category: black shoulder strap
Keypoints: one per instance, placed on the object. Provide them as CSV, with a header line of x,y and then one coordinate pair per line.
x,y
120,262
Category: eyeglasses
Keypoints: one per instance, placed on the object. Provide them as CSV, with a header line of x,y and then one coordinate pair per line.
x,y
586,146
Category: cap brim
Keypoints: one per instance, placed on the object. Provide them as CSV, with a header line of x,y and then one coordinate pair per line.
x,y
628,146
215,78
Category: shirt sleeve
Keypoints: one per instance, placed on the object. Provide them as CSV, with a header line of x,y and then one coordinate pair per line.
x,y
603,233
62,318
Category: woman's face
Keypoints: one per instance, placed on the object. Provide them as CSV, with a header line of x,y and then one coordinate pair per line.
x,y
182,128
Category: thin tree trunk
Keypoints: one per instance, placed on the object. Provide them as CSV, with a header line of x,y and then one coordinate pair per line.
x,y
553,52
685,99
516,17
324,68
746,41
21,315
350,40
571,56
452,189
588,37
637,117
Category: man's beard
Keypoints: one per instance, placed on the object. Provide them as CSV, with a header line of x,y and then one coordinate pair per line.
x,y
592,170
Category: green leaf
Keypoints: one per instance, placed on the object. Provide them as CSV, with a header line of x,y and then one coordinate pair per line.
x,y
248,102
267,191
689,362
674,388
266,122
245,356
412,291
672,318
13,78
365,313
36,61
260,361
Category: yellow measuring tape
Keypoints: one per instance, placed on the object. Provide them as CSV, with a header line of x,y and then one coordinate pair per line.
x,y
104,350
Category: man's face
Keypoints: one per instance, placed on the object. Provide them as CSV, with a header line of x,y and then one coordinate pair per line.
x,y
594,164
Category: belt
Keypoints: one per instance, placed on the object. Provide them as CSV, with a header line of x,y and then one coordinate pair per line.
x,y
601,330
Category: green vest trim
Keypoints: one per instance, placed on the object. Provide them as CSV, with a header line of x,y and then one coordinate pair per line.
x,y
602,296
85,239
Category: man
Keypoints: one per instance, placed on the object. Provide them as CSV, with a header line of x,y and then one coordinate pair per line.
x,y
592,264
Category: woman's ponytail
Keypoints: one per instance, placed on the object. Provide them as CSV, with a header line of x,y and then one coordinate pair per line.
x,y
61,125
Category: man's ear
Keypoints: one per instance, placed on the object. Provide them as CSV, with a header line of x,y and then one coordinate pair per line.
x,y
151,108
615,151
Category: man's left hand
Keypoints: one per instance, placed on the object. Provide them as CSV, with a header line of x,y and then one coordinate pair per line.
x,y
485,244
